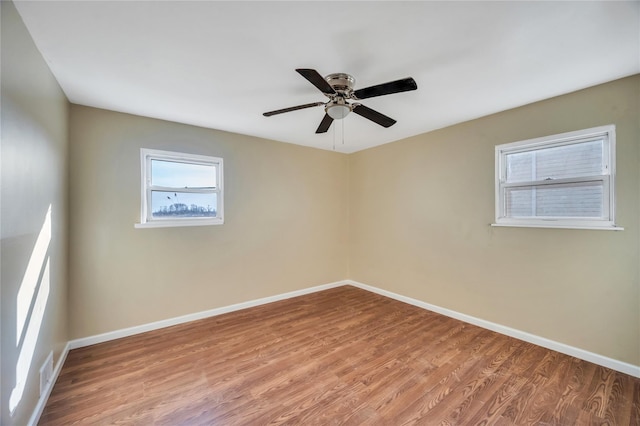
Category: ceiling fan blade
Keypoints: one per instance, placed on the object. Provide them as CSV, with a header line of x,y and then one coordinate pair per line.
x,y
295,108
325,124
373,115
397,86
316,79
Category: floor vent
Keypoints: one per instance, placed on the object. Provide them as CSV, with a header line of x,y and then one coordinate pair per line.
x,y
46,372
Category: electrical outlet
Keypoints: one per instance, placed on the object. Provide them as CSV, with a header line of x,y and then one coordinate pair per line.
x,y
46,373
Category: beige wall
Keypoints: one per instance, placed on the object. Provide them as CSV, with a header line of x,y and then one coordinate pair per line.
x,y
34,179
420,215
285,224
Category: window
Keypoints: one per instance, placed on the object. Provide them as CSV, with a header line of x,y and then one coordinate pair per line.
x,y
563,181
180,189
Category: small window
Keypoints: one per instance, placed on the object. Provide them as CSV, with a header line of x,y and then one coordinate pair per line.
x,y
563,181
180,189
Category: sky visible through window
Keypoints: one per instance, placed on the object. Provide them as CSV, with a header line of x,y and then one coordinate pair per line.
x,y
173,176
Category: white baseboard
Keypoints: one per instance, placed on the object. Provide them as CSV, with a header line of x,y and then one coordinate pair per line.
x,y
37,412
604,361
125,332
623,367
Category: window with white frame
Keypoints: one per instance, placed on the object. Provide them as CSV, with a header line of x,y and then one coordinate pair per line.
x,y
180,189
564,181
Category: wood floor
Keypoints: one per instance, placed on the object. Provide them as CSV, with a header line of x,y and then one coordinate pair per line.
x,y
341,356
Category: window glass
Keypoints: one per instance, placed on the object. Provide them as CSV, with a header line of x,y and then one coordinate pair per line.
x,y
182,175
563,200
180,189
558,181
565,161
166,204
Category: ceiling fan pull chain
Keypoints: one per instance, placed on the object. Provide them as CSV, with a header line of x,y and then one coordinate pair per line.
x,y
334,138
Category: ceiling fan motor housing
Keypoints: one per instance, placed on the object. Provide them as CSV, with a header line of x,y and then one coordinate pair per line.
x,y
341,83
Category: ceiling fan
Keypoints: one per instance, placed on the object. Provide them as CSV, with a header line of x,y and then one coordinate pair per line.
x,y
338,88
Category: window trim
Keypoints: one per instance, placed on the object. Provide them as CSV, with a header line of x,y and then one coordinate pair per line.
x,y
146,221
607,177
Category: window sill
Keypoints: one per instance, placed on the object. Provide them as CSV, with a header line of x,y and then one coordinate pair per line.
x,y
178,223
557,226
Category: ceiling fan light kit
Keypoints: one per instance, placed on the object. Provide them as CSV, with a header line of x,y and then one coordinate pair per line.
x,y
337,111
338,87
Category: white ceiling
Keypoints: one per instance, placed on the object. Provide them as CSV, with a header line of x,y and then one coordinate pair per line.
x,y
222,64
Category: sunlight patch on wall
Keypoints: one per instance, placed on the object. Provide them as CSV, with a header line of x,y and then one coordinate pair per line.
x,y
32,274
30,313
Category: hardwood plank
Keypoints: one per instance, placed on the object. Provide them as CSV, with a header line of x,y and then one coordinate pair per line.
x,y
340,356
599,392
476,390
635,410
